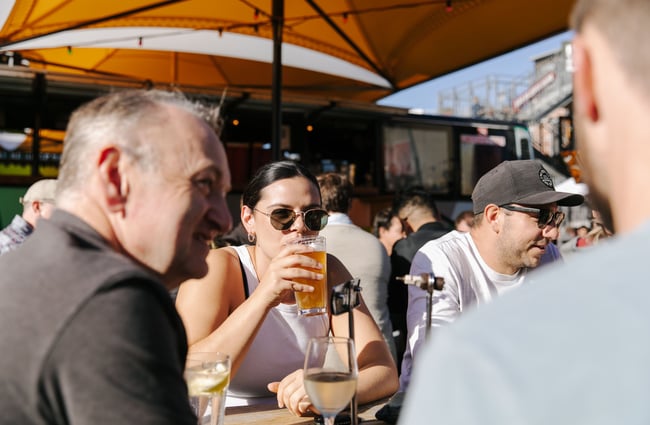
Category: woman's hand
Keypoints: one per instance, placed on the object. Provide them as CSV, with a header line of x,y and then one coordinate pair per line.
x,y
292,395
278,283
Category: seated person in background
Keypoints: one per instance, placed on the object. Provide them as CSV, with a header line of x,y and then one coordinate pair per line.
x,y
246,307
586,237
516,218
38,202
359,251
388,228
464,221
582,239
598,229
417,209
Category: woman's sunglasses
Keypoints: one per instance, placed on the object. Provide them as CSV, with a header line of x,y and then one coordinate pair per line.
x,y
283,218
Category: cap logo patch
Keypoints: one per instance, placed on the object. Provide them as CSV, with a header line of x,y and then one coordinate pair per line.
x,y
545,178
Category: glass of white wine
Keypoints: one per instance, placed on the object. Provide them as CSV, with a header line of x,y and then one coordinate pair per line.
x,y
207,376
330,374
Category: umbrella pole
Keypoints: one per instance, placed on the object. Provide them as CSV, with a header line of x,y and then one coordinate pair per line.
x,y
276,88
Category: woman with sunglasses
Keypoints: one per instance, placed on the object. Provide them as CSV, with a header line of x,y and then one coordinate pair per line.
x,y
245,306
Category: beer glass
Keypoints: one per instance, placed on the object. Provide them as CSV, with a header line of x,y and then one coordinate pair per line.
x,y
313,303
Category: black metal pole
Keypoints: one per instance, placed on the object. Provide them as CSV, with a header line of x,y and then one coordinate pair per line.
x,y
39,88
276,87
429,312
354,414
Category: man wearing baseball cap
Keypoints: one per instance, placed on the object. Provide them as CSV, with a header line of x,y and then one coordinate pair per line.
x,y
515,219
38,202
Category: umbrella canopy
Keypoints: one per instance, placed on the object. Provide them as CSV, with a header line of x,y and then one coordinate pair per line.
x,y
351,49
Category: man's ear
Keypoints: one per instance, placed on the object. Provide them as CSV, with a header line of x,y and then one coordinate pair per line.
x,y
583,83
491,214
113,179
35,206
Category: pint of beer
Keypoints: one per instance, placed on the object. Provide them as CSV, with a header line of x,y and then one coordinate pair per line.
x,y
313,303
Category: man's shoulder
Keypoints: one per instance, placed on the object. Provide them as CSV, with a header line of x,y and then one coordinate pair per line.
x,y
428,232
75,262
452,240
349,232
347,239
598,275
436,228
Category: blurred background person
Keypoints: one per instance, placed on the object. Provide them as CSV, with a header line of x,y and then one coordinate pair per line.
x,y
599,230
38,202
359,251
418,211
586,237
464,220
581,237
388,228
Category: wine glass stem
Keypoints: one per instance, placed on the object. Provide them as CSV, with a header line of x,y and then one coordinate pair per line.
x,y
328,420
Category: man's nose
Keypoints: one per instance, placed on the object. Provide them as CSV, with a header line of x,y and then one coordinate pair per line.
x,y
219,215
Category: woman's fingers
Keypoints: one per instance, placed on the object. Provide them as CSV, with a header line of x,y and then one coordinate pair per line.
x,y
291,393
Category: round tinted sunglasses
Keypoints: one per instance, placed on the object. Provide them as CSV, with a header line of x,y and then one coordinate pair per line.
x,y
283,218
544,216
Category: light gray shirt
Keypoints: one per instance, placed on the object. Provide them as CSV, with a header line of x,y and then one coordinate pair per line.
x,y
366,258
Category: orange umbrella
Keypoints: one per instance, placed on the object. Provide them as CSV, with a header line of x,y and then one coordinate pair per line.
x,y
397,43
350,49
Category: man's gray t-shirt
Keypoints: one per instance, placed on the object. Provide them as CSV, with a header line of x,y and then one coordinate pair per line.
x,y
88,336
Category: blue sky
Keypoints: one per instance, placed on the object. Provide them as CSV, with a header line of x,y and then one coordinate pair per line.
x,y
516,63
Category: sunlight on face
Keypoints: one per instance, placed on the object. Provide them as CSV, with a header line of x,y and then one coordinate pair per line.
x,y
522,242
184,199
296,193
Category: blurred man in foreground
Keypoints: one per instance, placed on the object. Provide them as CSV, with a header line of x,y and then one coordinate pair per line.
x,y
90,333
37,202
569,348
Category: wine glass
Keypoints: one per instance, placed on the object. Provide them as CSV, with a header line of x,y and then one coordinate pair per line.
x,y
330,374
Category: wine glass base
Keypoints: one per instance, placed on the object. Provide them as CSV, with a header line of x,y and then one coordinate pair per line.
x,y
341,419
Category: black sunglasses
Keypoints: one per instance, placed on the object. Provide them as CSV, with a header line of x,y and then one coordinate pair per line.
x,y
283,218
544,216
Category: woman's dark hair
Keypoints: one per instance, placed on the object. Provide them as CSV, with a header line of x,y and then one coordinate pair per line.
x,y
269,174
382,220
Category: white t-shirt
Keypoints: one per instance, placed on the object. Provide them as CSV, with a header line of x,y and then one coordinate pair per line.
x,y
469,282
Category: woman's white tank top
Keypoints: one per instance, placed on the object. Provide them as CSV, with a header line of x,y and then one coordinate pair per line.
x,y
278,348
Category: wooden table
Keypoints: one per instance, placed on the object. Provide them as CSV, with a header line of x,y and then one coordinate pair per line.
x,y
270,414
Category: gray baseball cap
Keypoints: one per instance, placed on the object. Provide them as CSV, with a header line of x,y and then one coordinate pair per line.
x,y
523,182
